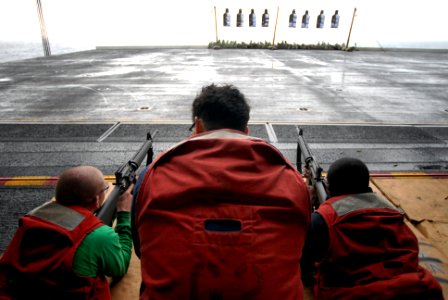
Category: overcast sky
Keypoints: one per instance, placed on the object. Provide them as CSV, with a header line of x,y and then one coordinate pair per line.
x,y
180,22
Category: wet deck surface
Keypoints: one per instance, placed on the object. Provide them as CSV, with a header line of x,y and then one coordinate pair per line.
x,y
153,85
388,108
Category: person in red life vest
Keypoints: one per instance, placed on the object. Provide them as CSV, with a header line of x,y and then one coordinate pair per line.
x,y
221,215
61,250
360,246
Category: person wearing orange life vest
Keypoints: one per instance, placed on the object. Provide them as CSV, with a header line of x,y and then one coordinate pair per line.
x,y
61,250
221,215
359,246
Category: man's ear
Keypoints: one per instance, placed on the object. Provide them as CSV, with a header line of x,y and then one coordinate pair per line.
x,y
95,204
99,203
198,125
246,131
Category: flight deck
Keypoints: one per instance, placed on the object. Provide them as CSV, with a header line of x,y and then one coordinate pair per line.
x,y
390,109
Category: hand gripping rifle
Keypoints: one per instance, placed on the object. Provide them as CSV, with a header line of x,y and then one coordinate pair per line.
x,y
307,165
124,177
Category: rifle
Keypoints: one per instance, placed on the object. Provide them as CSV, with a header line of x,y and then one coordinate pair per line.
x,y
124,177
306,160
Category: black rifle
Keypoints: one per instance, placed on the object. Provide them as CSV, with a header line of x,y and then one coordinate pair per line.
x,y
306,161
124,177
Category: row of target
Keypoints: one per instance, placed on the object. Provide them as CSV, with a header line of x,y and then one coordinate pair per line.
x,y
320,22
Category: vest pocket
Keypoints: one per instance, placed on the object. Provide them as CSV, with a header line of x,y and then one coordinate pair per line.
x,y
225,226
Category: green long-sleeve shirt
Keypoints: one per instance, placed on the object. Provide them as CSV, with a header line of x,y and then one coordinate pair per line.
x,y
105,251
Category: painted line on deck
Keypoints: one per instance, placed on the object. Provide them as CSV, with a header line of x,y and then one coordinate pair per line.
x,y
22,181
408,174
271,133
108,132
17,181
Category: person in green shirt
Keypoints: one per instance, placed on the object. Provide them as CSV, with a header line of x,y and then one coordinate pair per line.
x,y
61,250
107,250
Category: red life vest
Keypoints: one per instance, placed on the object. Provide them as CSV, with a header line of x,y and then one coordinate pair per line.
x,y
222,178
38,261
372,254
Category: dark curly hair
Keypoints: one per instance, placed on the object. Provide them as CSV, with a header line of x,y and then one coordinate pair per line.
x,y
221,107
348,175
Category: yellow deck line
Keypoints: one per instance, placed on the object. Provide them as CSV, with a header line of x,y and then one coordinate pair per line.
x,y
28,180
37,180
51,180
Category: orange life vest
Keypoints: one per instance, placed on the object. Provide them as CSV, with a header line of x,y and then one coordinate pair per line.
x,y
37,264
222,216
372,253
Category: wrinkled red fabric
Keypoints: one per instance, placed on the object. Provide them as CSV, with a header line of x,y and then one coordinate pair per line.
x,y
233,178
373,254
39,260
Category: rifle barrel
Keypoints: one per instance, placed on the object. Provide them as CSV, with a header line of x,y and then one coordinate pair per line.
x,y
106,213
143,152
124,177
321,192
314,170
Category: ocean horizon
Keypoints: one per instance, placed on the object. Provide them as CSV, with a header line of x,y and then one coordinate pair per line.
x,y
13,51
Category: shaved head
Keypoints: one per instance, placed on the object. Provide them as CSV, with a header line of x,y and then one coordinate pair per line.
x,y
79,185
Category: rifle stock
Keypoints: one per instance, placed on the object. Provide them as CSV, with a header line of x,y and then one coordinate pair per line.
x,y
306,160
124,177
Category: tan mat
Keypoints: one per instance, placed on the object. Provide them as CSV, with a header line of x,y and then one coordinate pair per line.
x,y
128,287
436,233
422,198
425,203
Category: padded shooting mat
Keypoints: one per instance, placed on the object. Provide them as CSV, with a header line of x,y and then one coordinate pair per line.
x,y
422,198
129,286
